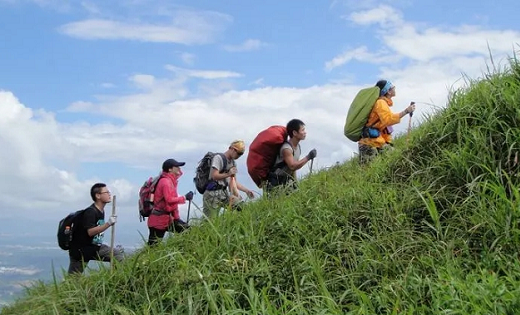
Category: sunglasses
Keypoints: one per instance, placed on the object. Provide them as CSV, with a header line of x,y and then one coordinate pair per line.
x,y
239,153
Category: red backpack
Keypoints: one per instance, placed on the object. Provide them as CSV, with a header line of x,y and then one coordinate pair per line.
x,y
146,195
263,151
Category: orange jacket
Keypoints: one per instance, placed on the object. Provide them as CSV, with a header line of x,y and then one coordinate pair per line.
x,y
381,117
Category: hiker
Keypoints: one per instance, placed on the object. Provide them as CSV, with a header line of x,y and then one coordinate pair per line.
x,y
288,160
87,241
223,187
377,133
165,213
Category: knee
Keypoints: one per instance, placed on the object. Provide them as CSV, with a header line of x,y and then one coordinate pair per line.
x,y
119,253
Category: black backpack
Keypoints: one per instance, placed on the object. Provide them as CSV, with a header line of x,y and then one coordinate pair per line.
x,y
201,178
66,227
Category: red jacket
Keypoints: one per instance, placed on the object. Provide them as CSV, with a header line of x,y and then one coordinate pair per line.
x,y
166,199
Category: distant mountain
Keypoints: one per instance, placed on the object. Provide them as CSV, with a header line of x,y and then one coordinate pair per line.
x,y
29,257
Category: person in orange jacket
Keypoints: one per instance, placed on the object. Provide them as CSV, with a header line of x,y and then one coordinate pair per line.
x,y
377,133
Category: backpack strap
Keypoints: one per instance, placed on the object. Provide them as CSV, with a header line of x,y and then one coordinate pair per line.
x,y
282,163
154,187
213,183
224,162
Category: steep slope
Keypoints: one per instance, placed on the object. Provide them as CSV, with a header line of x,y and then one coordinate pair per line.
x,y
432,227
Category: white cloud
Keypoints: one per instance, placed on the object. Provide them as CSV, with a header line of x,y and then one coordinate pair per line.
x,y
165,116
204,74
108,85
90,7
79,106
59,5
248,45
434,43
382,15
187,58
258,82
38,159
185,27
19,271
404,40
360,54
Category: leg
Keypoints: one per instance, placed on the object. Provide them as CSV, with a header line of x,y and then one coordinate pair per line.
x,y
104,253
213,201
387,147
155,236
280,181
366,153
76,265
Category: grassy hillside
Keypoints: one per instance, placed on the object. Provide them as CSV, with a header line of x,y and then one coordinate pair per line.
x,y
431,228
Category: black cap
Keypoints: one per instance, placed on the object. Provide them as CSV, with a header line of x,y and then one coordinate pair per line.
x,y
169,163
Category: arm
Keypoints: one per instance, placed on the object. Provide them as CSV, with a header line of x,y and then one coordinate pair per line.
x,y
89,223
233,186
386,117
98,229
290,162
220,176
243,188
169,192
218,164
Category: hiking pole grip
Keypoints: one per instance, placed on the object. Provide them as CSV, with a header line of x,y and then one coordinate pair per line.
x,y
411,113
113,232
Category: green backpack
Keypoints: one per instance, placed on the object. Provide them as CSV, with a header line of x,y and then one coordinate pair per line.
x,y
359,111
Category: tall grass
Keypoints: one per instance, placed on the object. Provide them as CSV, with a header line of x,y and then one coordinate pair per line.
x,y
430,228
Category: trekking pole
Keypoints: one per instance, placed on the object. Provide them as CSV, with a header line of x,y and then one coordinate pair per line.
x,y
198,208
312,162
113,234
188,218
409,124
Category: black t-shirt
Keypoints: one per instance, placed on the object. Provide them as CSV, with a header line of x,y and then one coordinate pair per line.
x,y
90,218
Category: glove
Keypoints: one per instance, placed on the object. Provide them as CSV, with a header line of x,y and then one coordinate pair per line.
x,y
112,220
180,226
189,196
410,109
312,154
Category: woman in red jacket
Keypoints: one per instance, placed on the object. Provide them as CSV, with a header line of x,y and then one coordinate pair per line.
x,y
165,214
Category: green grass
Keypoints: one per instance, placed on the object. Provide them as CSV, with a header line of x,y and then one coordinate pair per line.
x,y
430,228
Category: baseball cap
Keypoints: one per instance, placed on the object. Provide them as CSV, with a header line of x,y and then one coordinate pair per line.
x,y
169,163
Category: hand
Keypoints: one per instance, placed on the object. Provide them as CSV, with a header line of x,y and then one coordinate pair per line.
x,y
410,109
312,154
112,220
232,171
250,194
235,199
189,196
180,226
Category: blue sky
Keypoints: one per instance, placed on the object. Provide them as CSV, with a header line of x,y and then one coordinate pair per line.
x,y
106,90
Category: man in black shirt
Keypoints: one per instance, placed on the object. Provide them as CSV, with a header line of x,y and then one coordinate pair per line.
x,y
87,238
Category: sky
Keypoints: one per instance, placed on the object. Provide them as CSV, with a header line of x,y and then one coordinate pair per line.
x,y
105,91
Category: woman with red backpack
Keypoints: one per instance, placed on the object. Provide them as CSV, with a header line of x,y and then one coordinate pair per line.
x,y
165,213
